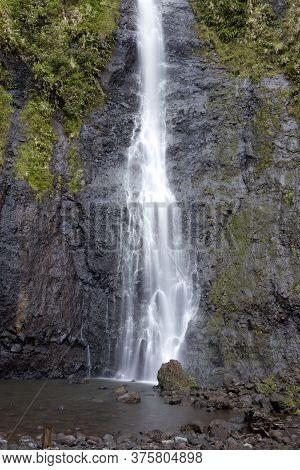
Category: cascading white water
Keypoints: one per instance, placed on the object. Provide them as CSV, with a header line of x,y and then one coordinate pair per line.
x,y
157,298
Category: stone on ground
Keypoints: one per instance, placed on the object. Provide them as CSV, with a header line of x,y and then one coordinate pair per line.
x,y
132,397
122,390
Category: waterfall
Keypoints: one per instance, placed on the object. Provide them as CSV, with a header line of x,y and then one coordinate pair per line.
x,y
157,295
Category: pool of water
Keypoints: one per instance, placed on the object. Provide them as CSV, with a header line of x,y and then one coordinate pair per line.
x,y
90,408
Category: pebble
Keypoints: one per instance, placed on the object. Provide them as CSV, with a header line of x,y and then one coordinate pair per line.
x,y
180,440
3,444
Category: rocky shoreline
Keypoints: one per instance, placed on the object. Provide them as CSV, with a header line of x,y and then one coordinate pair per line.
x,y
254,430
258,424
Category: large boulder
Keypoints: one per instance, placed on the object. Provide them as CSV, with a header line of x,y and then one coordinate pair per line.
x,y
171,376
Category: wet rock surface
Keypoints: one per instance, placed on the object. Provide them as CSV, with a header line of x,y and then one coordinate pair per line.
x,y
59,284
133,397
231,160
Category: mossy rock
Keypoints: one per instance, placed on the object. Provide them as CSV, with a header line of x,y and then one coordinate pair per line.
x,y
171,376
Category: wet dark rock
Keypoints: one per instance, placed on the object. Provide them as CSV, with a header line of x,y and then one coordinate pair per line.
x,y
68,440
74,379
16,348
198,441
262,423
276,402
156,435
173,400
193,428
92,438
124,437
133,397
231,444
92,442
3,444
60,437
246,401
108,441
218,429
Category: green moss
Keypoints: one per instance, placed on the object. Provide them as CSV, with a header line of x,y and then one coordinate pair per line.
x,y
76,181
288,197
66,44
297,289
5,116
267,386
250,40
291,399
231,279
247,239
258,332
214,323
33,164
266,124
294,252
226,151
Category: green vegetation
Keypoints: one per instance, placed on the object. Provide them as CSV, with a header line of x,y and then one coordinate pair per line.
x,y
215,323
76,173
33,165
229,286
251,41
266,124
297,289
288,197
291,399
247,241
287,392
267,386
5,115
66,44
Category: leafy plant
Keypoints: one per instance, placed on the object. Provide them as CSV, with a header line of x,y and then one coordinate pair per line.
x,y
66,44
251,41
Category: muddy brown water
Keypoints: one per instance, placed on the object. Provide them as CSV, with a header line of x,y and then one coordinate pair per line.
x,y
90,409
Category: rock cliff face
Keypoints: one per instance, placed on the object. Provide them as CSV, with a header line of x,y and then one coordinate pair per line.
x,y
233,163
58,280
234,160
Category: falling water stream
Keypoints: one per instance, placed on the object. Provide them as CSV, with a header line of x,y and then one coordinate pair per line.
x,y
157,294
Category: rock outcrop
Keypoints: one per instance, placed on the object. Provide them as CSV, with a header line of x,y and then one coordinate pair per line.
x,y
233,162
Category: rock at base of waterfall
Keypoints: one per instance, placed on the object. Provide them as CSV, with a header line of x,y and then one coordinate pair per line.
x,y
171,376
76,379
173,400
122,390
133,397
